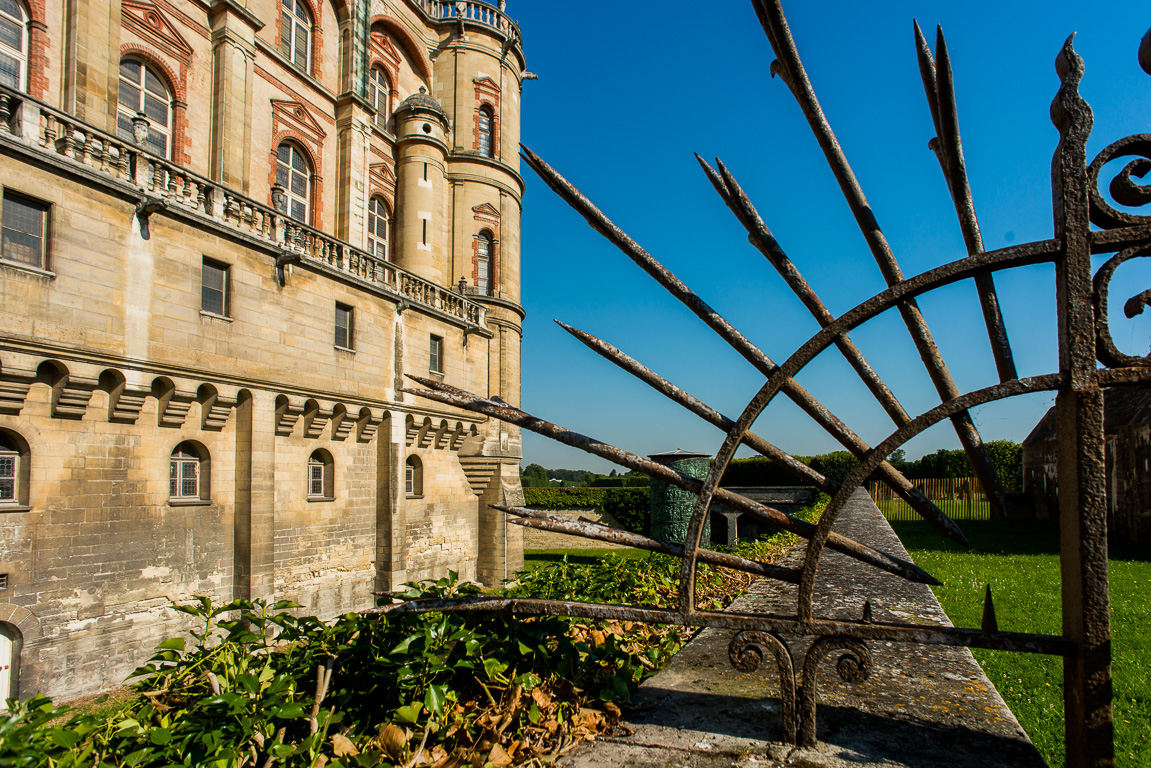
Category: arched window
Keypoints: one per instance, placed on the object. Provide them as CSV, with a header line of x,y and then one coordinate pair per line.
x,y
13,45
294,174
296,32
189,476
484,263
321,475
14,470
413,477
142,89
485,144
378,228
380,90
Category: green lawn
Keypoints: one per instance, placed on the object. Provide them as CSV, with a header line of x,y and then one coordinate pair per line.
x,y
1021,562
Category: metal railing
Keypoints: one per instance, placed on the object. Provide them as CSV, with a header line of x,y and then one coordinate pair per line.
x,y
164,184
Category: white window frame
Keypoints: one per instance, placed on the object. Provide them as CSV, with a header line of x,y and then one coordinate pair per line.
x,y
12,477
286,171
184,459
436,354
380,90
6,246
378,223
295,26
19,55
126,112
484,263
486,138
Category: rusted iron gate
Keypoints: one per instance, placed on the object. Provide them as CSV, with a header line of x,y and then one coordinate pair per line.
x,y
1084,338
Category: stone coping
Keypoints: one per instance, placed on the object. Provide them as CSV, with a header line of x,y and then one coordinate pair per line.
x,y
922,706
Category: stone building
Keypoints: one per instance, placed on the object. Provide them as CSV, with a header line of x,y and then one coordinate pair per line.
x,y
230,228
1127,433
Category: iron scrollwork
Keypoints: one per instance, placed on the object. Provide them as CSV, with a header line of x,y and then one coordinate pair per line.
x,y
1106,350
853,666
746,652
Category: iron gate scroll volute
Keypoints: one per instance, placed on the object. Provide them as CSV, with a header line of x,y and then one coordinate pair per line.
x,y
1084,339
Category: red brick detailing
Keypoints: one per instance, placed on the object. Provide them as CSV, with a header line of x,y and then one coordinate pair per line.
x,y
487,94
316,59
313,110
414,48
152,26
382,179
181,142
37,51
314,153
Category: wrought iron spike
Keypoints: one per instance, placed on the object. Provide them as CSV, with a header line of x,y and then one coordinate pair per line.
x,y
861,552
923,506
1145,52
761,237
954,167
533,518
775,25
989,623
794,391
699,408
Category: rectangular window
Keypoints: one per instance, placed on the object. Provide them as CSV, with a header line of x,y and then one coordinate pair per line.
x,y
409,480
214,288
343,326
7,478
24,226
316,480
436,359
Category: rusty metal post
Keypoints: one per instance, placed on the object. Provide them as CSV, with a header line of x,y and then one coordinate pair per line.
x,y
1080,460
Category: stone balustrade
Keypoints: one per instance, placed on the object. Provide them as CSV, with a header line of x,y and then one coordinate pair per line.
x,y
164,184
468,10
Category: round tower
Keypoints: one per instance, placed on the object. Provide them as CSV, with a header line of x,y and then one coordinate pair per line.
x,y
422,220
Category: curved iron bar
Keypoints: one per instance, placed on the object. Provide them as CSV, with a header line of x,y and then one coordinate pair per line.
x,y
854,666
1004,258
1123,189
790,66
902,486
746,652
1106,350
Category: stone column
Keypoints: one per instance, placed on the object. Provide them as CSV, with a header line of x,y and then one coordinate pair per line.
x,y
354,131
92,62
391,542
255,495
421,198
233,71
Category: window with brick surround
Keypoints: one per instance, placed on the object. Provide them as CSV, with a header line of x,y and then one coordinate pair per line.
x,y
485,144
296,33
378,228
344,326
381,94
144,90
294,174
214,288
436,356
188,473
23,235
321,475
13,45
413,477
484,263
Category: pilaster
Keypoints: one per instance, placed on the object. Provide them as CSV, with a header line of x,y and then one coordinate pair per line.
x,y
92,62
233,70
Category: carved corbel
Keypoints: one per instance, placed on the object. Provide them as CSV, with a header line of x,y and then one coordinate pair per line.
x,y
285,258
174,407
215,412
70,397
368,424
14,386
145,207
315,420
287,414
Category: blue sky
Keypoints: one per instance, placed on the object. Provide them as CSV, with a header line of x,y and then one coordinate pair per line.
x,y
628,91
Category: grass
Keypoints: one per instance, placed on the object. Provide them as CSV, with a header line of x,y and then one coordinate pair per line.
x,y
535,558
1020,560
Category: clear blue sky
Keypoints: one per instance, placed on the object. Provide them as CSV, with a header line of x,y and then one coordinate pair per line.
x,y
628,91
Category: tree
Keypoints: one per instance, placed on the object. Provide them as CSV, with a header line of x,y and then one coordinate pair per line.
x,y
534,476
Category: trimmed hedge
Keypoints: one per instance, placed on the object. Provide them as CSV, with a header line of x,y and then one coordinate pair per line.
x,y
631,506
837,465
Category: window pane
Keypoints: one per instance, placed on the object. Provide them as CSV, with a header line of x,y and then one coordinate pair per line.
x,y
213,288
7,490
298,162
298,210
23,231
12,34
156,109
124,128
284,153
130,70
299,185
174,479
129,97
12,8
7,478
153,84
23,216
10,71
301,58
189,487
409,479
343,326
157,143
282,175
286,34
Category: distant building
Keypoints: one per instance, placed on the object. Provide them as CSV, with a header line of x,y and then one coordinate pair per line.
x,y
229,230
1127,427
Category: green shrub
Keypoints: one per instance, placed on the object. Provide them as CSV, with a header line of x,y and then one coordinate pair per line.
x,y
630,506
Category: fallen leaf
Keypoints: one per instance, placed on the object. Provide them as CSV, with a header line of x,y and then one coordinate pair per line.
x,y
499,756
342,746
541,698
